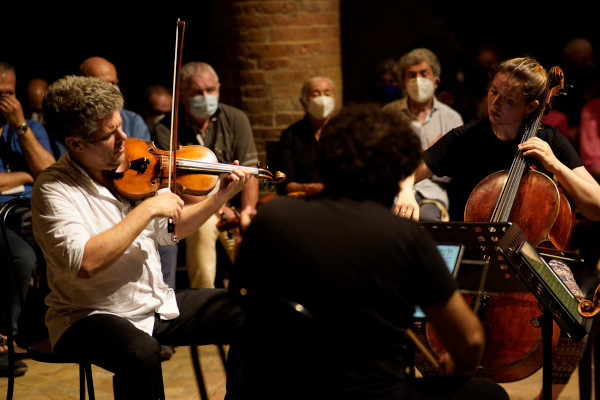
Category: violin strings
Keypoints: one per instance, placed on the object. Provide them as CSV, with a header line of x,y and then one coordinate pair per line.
x,y
208,167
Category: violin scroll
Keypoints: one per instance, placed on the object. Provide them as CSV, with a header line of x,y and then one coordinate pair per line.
x,y
268,178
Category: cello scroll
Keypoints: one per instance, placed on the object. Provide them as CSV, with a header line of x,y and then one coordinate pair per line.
x,y
590,308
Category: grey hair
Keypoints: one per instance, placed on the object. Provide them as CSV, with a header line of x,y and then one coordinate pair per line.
x,y
417,56
76,106
193,68
304,91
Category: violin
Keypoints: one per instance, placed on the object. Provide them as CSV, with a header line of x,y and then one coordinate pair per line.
x,y
146,169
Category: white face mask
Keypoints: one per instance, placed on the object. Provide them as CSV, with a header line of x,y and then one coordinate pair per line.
x,y
420,89
321,107
203,107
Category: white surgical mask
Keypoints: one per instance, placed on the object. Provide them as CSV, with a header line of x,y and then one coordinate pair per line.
x,y
203,107
420,89
321,107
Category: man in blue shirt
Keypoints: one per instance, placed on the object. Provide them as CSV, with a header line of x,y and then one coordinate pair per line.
x,y
25,151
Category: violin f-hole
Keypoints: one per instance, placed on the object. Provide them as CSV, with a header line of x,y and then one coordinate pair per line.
x,y
140,165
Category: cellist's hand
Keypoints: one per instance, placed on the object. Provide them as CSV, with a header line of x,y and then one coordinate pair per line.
x,y
406,205
539,149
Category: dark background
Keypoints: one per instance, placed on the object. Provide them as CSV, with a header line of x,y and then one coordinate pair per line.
x,y
49,44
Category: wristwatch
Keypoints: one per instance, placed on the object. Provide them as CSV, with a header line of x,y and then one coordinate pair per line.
x,y
21,129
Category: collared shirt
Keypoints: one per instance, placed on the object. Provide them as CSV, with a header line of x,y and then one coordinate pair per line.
x,y
229,135
68,209
438,122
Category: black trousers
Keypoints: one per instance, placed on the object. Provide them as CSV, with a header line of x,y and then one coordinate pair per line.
x,y
207,316
26,254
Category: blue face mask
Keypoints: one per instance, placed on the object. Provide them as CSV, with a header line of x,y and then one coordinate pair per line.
x,y
202,107
387,93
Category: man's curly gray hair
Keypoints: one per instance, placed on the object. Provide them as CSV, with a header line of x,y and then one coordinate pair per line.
x,y
76,105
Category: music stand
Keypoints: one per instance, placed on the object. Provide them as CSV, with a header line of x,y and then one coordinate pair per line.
x,y
495,246
481,242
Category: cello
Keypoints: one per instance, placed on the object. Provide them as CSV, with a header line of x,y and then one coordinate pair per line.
x,y
531,200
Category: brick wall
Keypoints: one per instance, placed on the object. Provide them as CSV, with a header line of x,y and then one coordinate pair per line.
x,y
267,49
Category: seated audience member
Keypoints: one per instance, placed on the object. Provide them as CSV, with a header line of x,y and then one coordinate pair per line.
x,y
589,137
298,142
419,73
34,92
25,151
360,271
204,120
158,103
98,67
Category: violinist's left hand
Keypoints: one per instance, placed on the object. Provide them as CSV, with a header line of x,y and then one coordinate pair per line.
x,y
536,147
233,182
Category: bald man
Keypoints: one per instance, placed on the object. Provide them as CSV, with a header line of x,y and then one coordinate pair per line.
x,y
98,67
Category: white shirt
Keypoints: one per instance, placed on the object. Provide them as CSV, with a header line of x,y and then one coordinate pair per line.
x,y
69,208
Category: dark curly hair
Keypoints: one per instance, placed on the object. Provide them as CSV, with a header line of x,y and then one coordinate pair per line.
x,y
364,153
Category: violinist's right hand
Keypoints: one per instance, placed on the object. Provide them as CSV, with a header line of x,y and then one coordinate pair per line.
x,y
406,205
167,205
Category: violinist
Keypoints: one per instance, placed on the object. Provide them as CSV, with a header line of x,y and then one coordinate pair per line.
x,y
108,302
470,153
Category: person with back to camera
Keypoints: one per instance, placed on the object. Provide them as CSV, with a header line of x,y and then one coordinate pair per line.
x,y
470,153
360,270
419,73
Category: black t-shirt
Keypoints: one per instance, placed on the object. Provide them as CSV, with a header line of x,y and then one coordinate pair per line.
x,y
470,153
358,268
298,148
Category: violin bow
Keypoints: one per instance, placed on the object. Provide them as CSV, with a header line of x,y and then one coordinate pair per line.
x,y
174,117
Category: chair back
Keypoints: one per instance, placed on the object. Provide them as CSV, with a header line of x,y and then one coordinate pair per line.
x,y
283,353
15,215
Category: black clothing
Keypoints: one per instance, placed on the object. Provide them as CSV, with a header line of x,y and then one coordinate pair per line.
x,y
298,148
359,269
471,152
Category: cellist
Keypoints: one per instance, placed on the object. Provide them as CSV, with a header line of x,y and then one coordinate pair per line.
x,y
470,153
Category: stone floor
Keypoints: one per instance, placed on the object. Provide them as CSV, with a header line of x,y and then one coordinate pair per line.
x,y
60,382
